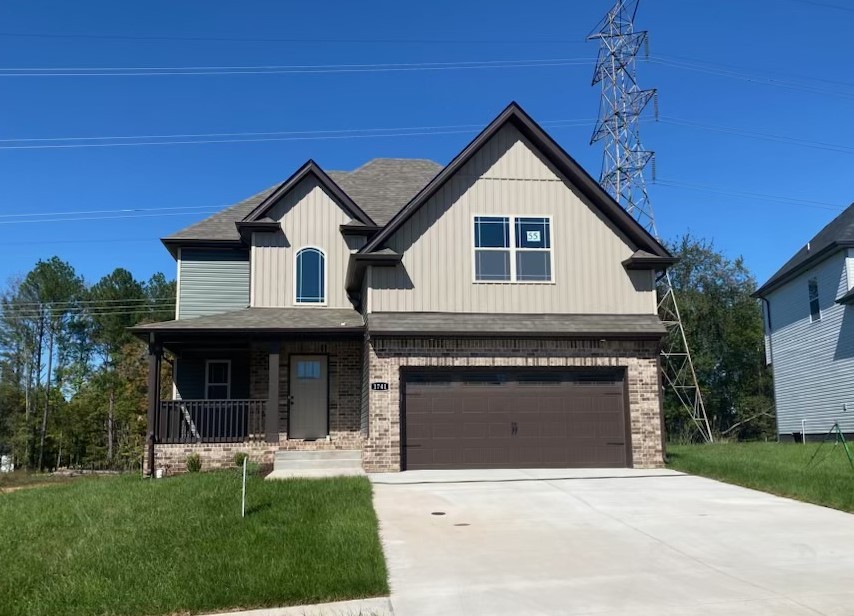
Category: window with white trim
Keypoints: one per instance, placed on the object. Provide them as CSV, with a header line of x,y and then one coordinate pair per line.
x,y
218,379
523,255
310,276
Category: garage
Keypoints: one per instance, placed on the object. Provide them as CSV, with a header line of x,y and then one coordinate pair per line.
x,y
514,419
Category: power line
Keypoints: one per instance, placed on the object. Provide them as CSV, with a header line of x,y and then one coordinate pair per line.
x,y
771,81
825,5
119,217
322,41
820,145
295,69
92,301
128,210
823,205
296,136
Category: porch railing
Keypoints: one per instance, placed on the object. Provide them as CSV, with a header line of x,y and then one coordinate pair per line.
x,y
211,421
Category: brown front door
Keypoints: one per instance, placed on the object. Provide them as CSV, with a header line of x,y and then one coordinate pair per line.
x,y
309,397
524,419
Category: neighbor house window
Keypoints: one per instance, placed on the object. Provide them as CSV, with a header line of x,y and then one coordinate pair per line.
x,y
310,276
815,309
512,249
218,379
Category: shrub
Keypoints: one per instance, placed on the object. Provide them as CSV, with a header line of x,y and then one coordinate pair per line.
x,y
239,457
194,463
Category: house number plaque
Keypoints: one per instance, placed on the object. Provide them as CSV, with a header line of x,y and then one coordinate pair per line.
x,y
379,386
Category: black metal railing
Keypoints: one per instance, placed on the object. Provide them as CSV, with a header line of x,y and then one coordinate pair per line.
x,y
211,421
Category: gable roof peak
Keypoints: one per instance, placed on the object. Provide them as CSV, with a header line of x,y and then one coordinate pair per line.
x,y
563,162
310,167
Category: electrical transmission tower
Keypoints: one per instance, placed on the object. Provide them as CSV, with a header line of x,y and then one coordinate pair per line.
x,y
624,166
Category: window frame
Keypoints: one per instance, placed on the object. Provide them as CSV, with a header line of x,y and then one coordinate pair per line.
x,y
325,270
227,384
815,317
513,249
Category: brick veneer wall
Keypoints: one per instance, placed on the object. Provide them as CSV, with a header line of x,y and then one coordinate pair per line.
x,y
387,355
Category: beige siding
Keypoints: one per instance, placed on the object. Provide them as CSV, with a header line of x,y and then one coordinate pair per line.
x,y
309,217
507,177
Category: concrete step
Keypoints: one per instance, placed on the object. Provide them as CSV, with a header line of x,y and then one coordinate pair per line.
x,y
315,473
289,464
337,454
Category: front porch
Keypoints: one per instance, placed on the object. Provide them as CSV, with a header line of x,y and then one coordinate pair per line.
x,y
254,394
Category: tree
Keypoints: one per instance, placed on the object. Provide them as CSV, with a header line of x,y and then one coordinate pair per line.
x,y
725,332
72,378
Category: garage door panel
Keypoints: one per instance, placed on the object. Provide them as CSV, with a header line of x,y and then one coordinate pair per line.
x,y
523,419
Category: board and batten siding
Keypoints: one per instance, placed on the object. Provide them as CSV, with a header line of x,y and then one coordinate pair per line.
x,y
813,362
309,217
508,177
212,281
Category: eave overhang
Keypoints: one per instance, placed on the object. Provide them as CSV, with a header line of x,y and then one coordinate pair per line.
x,y
775,282
359,262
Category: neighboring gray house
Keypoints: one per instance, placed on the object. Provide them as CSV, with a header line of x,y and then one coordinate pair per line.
x,y
809,334
496,312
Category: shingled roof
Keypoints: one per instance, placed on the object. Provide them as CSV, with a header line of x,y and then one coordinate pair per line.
x,y
380,187
838,234
384,185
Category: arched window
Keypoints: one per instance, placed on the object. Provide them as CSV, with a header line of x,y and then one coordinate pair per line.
x,y
310,276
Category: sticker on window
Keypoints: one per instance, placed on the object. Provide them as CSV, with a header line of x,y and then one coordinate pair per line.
x,y
533,236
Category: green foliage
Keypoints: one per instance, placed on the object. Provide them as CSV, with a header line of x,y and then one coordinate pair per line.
x,y
726,336
72,379
784,469
194,463
127,546
239,457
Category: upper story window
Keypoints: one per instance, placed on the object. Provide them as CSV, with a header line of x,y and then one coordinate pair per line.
x,y
815,309
521,255
310,276
217,379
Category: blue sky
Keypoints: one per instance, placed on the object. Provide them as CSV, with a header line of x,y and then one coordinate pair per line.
x,y
799,46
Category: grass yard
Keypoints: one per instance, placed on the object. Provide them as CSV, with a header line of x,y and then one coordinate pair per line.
x,y
130,546
779,468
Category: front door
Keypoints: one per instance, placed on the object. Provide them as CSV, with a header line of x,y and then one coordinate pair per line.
x,y
309,397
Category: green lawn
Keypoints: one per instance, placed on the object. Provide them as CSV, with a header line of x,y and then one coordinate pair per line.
x,y
779,468
130,546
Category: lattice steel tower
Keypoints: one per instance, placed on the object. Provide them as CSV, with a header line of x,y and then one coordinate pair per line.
x,y
624,167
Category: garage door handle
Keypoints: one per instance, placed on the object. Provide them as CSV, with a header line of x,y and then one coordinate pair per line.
x,y
615,443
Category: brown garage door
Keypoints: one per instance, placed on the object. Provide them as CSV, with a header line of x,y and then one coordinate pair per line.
x,y
524,419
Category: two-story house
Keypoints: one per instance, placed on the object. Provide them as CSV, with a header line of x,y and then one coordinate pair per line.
x,y
496,312
809,334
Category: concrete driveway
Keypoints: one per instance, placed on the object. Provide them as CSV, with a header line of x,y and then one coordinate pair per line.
x,y
629,542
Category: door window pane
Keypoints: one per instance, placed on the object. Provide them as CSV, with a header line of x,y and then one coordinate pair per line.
x,y
308,369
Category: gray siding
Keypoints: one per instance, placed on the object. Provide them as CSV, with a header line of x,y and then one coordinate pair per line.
x,y
212,281
813,362
309,217
508,177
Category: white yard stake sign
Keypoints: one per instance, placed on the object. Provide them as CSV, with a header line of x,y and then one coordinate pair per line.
x,y
243,497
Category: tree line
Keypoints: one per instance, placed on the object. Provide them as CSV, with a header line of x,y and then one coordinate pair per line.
x,y
72,378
